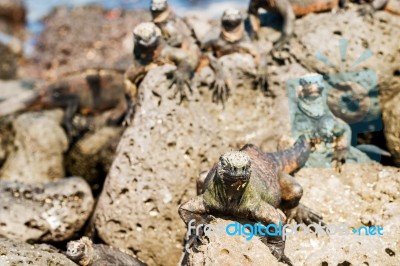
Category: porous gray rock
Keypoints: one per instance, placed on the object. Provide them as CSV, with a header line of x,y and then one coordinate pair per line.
x,y
52,212
391,119
39,144
364,195
361,33
167,146
222,249
18,253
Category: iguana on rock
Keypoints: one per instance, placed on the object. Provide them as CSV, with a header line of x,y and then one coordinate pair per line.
x,y
150,51
233,39
88,91
289,10
85,253
254,185
173,29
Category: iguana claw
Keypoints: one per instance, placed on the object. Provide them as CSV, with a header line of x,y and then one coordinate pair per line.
x,y
181,81
221,91
304,215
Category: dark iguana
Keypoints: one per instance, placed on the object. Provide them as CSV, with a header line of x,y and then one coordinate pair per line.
x,y
254,185
150,50
85,253
233,39
89,91
289,10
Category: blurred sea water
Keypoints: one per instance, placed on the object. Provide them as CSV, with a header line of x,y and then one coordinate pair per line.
x,y
211,8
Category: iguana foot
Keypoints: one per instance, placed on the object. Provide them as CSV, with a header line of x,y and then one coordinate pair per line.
x,y
221,91
260,79
181,81
277,247
280,43
304,215
366,11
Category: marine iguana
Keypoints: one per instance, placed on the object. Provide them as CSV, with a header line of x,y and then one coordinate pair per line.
x,y
88,91
329,135
85,253
289,10
254,185
233,39
150,50
173,29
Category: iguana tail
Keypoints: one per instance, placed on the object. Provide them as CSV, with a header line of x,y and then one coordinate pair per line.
x,y
293,158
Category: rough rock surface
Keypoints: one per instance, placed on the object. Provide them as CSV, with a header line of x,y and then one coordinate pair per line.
x,y
39,144
391,118
51,212
365,194
15,253
228,250
361,33
167,146
105,40
91,157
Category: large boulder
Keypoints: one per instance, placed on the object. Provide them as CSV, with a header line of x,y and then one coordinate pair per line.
x,y
39,143
167,146
52,212
367,47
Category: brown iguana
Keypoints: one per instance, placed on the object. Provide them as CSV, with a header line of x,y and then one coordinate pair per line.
x,y
233,39
85,253
289,10
90,91
254,185
150,50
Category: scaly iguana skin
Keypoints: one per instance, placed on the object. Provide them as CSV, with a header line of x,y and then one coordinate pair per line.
x,y
233,39
90,91
254,185
85,253
150,50
289,10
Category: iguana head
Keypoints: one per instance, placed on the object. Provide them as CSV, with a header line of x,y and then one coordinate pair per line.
x,y
159,10
146,34
232,25
234,169
310,95
231,19
158,5
80,251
